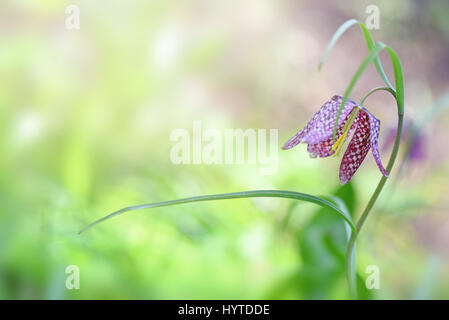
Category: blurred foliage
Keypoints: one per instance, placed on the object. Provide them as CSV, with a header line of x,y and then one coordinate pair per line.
x,y
84,130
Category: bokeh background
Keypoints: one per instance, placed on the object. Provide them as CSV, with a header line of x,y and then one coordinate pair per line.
x,y
85,122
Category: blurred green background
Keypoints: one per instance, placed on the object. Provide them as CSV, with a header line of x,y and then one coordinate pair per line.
x,y
85,122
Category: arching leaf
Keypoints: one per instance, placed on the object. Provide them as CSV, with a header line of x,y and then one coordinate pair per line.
x,y
236,195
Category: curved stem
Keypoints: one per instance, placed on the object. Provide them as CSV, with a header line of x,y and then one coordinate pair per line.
x,y
350,258
377,89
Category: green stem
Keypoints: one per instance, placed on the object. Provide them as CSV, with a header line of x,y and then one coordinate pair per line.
x,y
377,89
350,263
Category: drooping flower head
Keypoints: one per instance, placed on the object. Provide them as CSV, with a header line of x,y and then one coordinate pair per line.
x,y
318,134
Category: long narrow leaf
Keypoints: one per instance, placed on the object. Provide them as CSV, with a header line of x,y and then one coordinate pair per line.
x,y
236,195
341,204
345,26
398,79
369,43
351,270
365,63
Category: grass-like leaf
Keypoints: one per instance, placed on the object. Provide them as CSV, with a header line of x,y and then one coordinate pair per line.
x,y
365,63
398,79
342,29
237,195
369,43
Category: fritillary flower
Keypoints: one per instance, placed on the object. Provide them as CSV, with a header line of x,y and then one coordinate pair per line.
x,y
356,120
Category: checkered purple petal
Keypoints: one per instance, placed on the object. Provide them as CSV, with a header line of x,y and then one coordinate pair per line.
x,y
357,149
320,127
374,137
324,148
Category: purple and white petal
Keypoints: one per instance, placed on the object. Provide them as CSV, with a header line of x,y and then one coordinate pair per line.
x,y
297,138
324,149
374,137
357,150
320,127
